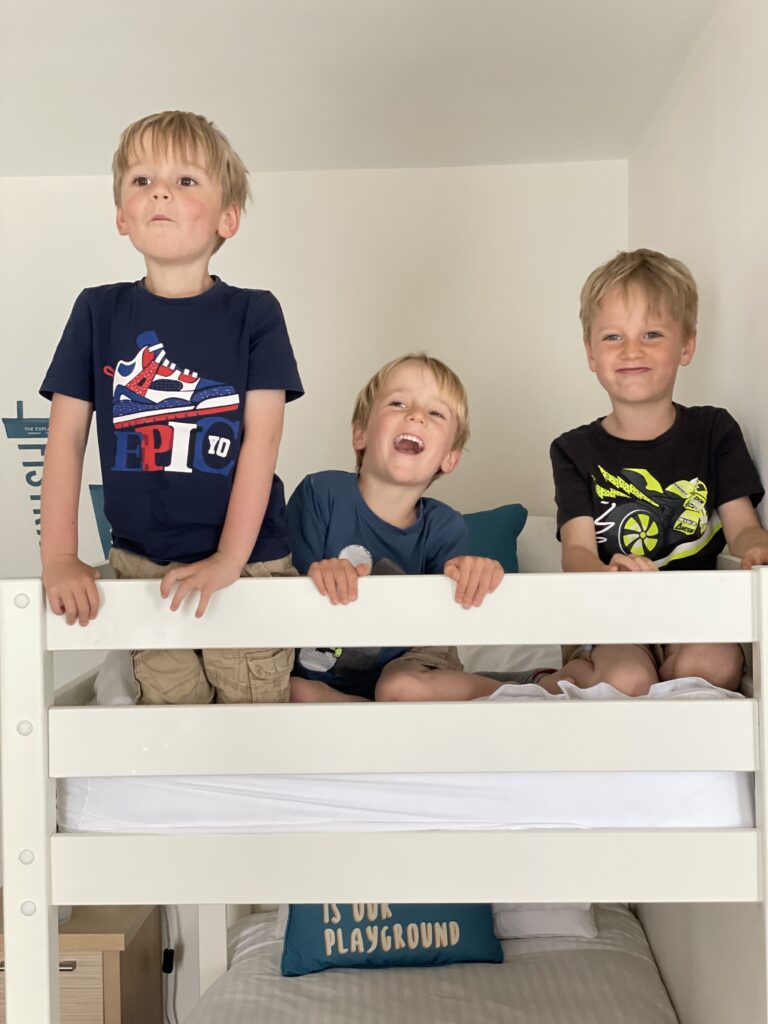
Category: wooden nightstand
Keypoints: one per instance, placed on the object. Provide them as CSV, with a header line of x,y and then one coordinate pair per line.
x,y
109,966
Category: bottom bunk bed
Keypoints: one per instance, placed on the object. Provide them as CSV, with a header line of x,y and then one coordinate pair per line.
x,y
610,978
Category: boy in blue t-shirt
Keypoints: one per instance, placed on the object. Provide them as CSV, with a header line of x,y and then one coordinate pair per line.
x,y
188,378
409,426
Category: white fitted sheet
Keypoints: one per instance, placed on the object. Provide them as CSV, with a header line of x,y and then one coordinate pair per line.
x,y
406,801
611,979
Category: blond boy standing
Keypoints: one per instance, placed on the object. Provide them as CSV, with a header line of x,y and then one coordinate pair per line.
x,y
188,378
653,485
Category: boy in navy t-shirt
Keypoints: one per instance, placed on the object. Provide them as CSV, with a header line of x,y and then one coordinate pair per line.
x,y
188,378
409,426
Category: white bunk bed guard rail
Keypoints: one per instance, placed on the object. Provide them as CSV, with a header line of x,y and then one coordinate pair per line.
x,y
40,743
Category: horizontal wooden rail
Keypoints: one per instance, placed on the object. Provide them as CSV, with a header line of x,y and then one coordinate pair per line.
x,y
621,735
391,611
676,866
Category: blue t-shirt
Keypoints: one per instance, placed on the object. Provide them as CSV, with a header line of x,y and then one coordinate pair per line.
x,y
330,519
167,379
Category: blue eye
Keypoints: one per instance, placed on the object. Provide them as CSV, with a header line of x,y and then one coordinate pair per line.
x,y
612,337
653,335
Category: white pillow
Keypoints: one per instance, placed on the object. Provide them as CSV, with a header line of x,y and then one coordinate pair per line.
x,y
542,920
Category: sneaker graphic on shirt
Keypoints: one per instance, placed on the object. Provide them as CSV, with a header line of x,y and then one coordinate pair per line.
x,y
151,389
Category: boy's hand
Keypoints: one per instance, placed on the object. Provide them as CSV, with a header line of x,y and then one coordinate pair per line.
x,y
207,576
336,579
631,563
71,589
475,577
756,555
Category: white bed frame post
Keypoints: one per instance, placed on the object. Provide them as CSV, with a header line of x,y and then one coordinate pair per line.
x,y
31,923
760,680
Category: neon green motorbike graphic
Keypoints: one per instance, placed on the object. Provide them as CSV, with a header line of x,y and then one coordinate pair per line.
x,y
652,514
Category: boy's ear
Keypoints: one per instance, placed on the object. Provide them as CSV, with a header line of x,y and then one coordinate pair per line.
x,y
688,350
358,437
450,462
120,221
229,222
590,354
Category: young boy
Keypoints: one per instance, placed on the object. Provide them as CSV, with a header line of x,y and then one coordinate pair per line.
x,y
652,485
188,377
409,426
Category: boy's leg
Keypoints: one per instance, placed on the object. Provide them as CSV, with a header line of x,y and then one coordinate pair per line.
x,y
630,668
164,677
315,691
431,673
258,676
720,664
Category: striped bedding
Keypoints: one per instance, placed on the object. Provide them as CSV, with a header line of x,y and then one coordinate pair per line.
x,y
611,979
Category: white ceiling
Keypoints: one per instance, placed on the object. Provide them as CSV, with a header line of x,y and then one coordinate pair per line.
x,y
310,84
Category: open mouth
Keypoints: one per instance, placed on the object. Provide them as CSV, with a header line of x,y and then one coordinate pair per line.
x,y
409,444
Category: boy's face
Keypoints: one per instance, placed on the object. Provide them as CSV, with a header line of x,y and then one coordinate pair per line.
x,y
171,208
411,430
635,351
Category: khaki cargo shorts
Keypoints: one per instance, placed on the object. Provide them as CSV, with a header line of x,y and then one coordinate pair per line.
x,y
226,675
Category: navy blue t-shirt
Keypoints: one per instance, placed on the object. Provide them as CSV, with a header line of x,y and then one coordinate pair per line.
x,y
330,519
167,379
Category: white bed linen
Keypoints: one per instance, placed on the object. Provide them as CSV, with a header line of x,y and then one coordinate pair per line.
x,y
404,802
611,979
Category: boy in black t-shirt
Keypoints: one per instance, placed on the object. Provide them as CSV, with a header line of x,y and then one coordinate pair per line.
x,y
652,485
188,378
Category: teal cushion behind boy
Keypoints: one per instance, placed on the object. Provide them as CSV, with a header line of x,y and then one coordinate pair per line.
x,y
493,534
319,936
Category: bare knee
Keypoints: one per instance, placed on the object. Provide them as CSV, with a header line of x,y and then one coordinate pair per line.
x,y
629,668
402,685
720,664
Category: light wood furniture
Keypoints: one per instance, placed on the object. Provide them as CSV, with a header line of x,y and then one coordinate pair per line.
x,y
109,967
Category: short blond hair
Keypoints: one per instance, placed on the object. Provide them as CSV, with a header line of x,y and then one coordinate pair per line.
x,y
189,135
666,283
449,385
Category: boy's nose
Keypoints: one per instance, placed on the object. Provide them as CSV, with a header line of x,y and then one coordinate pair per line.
x,y
161,190
416,414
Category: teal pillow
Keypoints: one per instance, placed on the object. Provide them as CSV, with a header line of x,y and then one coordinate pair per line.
x,y
493,534
323,935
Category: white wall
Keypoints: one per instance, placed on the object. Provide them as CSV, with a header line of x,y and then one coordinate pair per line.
x,y
698,189
480,266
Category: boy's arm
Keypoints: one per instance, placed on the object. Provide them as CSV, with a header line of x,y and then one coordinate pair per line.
x,y
69,583
745,536
580,551
335,578
262,430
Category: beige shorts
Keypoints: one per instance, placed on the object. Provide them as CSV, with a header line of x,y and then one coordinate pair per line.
x,y
226,675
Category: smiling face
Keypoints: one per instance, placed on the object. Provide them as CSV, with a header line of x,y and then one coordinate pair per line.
x,y
171,208
636,350
411,431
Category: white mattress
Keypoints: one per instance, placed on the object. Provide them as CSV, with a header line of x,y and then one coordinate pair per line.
x,y
611,979
480,800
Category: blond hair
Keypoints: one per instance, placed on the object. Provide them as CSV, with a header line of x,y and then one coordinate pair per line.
x,y
191,136
448,383
666,283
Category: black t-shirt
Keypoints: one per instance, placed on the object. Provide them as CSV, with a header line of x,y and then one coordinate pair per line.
x,y
656,498
168,379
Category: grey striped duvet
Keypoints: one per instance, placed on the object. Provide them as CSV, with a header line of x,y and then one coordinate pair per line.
x,y
611,979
